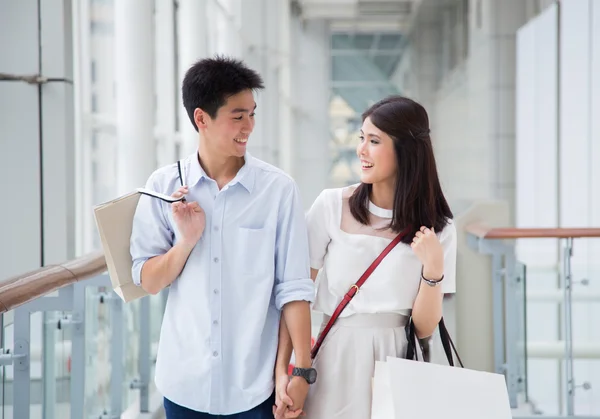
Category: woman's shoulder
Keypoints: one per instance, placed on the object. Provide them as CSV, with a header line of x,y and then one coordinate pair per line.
x,y
448,233
347,191
331,194
334,196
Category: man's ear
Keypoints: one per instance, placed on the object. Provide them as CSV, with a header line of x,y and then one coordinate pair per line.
x,y
200,118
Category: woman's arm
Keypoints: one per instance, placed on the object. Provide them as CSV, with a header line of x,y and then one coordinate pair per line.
x,y
427,308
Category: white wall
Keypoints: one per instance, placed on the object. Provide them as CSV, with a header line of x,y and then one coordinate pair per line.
x,y
471,105
558,182
579,186
537,189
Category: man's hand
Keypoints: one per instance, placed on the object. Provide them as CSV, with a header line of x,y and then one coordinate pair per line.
x,y
189,218
284,404
297,390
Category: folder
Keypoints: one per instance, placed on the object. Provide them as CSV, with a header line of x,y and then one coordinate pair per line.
x,y
114,220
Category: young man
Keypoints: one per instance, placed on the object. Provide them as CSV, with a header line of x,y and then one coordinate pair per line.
x,y
234,253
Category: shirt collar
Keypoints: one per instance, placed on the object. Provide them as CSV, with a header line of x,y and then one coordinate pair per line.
x,y
244,177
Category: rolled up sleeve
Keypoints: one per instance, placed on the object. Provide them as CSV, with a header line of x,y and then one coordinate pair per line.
x,y
150,234
292,263
318,232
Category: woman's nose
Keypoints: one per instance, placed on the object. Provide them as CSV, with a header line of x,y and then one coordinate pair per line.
x,y
360,149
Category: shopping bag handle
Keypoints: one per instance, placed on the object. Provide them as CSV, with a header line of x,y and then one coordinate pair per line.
x,y
447,343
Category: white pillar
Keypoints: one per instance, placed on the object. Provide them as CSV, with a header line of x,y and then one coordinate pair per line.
x,y
285,129
134,78
165,81
505,20
192,45
258,32
311,95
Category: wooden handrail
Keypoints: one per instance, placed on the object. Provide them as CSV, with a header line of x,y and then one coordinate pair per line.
x,y
26,287
483,231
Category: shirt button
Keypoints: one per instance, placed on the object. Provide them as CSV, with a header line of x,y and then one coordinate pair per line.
x,y
216,291
215,322
215,354
216,228
216,260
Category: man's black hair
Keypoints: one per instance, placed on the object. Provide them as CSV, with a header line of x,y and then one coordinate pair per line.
x,y
211,81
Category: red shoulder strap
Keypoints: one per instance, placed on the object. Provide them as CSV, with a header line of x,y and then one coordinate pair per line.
x,y
353,290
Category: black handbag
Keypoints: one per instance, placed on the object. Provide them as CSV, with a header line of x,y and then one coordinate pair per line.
x,y
447,343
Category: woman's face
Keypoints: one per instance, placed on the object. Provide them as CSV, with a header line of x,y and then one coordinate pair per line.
x,y
376,153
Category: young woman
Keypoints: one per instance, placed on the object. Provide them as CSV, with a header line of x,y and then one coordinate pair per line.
x,y
348,229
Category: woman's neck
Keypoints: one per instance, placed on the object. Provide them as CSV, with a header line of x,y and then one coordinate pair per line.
x,y
382,195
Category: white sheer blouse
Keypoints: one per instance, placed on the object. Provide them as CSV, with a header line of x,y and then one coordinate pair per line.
x,y
343,249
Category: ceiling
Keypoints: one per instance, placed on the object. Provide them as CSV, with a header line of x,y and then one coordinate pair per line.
x,y
367,38
361,15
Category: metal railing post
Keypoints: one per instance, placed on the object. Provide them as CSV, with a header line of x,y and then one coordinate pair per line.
x,y
22,376
568,326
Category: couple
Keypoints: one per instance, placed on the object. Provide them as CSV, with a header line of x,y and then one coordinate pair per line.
x,y
240,257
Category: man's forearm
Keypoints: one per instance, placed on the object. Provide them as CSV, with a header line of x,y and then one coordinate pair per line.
x,y
284,350
160,271
297,319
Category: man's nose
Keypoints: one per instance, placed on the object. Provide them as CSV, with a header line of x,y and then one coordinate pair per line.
x,y
248,125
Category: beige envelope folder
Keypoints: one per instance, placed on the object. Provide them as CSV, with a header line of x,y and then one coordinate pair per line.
x,y
114,220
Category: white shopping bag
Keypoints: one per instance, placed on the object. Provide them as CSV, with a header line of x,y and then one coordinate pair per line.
x,y
430,391
382,406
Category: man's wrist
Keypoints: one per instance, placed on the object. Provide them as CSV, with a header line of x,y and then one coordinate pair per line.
x,y
303,361
186,245
299,379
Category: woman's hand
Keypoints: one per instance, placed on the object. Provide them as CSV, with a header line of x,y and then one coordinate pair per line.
x,y
428,249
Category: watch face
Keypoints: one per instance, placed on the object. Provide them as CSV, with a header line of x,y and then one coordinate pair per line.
x,y
312,375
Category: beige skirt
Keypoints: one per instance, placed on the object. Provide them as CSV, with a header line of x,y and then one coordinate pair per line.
x,y
345,364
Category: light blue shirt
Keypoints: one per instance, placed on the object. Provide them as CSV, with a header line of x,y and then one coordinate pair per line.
x,y
219,335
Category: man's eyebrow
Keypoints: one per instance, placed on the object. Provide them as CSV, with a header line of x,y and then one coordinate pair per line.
x,y
244,110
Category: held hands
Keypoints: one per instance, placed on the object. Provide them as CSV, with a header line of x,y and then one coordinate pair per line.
x,y
289,397
189,217
429,250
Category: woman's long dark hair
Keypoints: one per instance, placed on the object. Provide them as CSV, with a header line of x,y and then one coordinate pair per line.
x,y
418,198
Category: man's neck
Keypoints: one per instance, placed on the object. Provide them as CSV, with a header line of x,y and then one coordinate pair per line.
x,y
219,168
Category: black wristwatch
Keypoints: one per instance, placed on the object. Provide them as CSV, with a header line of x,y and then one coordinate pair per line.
x,y
309,374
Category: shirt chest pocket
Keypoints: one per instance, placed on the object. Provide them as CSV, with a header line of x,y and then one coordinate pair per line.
x,y
255,250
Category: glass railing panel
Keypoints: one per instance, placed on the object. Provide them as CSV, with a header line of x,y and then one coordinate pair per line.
x,y
97,351
53,363
131,350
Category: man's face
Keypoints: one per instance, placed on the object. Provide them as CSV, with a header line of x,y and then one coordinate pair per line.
x,y
227,134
